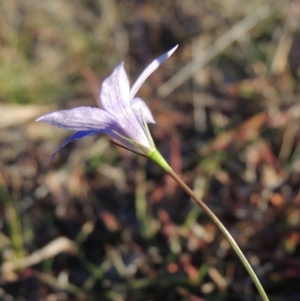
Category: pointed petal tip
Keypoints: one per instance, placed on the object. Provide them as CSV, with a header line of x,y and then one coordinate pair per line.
x,y
171,51
121,64
53,156
165,56
76,136
43,117
150,118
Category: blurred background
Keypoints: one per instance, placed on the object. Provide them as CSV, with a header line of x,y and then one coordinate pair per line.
x,y
100,223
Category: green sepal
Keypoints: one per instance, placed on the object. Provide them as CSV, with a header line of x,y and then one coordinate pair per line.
x,y
149,137
143,148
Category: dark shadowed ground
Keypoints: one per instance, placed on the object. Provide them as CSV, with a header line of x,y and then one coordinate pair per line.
x,y
100,223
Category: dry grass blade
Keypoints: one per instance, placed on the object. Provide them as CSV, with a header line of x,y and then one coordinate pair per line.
x,y
13,115
248,130
199,97
187,295
218,279
58,283
114,26
285,43
232,35
61,244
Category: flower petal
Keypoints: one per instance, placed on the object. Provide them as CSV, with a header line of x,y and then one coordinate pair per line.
x,y
139,105
114,93
114,96
81,119
76,136
152,67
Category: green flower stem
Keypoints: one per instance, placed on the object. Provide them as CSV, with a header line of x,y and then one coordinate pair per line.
x,y
219,224
158,159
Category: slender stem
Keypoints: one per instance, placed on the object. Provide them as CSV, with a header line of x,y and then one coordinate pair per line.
x,y
232,242
143,218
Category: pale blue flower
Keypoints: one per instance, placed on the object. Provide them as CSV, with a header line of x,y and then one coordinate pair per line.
x,y
122,115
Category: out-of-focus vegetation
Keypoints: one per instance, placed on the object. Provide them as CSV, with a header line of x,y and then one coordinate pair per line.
x,y
98,223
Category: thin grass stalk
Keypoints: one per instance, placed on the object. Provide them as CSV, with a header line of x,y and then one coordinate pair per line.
x,y
141,205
